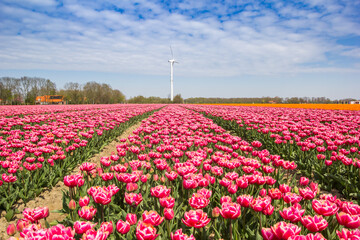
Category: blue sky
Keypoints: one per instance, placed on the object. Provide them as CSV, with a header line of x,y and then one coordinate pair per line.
x,y
225,48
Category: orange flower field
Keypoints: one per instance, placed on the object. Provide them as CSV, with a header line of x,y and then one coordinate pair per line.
x,y
354,107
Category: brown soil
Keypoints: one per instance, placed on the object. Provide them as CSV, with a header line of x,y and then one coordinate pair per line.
x,y
52,198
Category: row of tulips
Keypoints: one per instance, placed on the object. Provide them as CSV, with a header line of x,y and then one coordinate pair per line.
x,y
323,143
36,151
11,111
180,176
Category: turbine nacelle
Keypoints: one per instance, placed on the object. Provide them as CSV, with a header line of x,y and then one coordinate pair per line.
x,y
172,61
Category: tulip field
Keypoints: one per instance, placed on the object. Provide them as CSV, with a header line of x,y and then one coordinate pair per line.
x,y
187,172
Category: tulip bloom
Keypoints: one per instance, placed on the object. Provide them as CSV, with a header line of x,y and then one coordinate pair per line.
x,y
102,196
171,175
347,220
152,217
160,191
350,208
168,213
225,199
167,202
304,181
131,218
195,218
345,234
283,230
314,224
307,193
205,192
292,198
84,201
179,235
21,223
81,227
310,236
72,180
107,227
145,231
230,210
242,182
87,212
268,234
275,193
284,188
72,204
59,230
34,215
259,204
11,229
198,201
324,207
244,200
133,199
122,227
293,213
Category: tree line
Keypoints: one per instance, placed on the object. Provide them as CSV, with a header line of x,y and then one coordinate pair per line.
x,y
292,100
142,99
24,90
91,93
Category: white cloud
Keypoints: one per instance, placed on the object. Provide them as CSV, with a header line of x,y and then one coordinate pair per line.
x,y
254,41
355,52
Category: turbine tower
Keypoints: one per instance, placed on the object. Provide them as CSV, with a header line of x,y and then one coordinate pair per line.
x,y
172,61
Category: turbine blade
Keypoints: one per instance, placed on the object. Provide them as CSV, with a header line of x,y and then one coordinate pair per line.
x,y
172,55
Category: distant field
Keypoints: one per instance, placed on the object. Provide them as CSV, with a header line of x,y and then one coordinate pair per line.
x,y
354,107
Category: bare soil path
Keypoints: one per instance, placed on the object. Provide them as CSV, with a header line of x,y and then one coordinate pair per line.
x,y
52,198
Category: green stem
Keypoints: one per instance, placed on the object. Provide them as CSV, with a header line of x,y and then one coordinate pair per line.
x,y
230,229
260,220
168,228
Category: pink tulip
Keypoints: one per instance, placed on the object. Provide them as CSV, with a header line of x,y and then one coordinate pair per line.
x,y
314,224
87,212
293,213
133,199
102,196
230,210
72,204
152,217
195,218
81,227
179,235
244,200
198,201
11,230
268,234
145,231
84,201
347,220
131,218
284,230
160,191
345,234
168,213
122,227
107,227
215,212
324,207
167,202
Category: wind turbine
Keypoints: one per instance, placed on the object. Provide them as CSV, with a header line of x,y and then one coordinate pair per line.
x,y
172,61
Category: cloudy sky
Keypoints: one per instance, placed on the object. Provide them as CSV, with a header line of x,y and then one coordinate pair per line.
x,y
226,48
